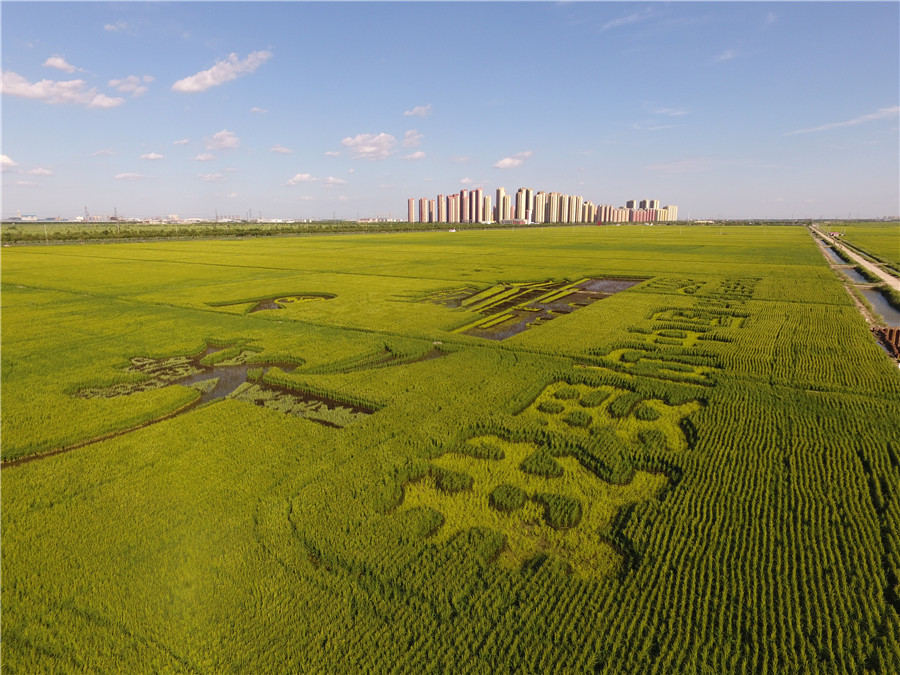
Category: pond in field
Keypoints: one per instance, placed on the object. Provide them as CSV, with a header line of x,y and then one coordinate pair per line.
x,y
229,379
880,304
509,309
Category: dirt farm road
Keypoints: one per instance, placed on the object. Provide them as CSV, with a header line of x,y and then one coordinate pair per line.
x,y
889,279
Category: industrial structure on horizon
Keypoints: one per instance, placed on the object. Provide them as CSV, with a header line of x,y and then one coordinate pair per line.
x,y
473,206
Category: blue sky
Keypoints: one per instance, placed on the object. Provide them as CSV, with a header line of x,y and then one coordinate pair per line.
x,y
296,110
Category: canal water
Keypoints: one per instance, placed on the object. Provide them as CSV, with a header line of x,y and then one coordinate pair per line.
x,y
880,304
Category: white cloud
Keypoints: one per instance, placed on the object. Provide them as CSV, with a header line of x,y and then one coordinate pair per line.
x,y
223,140
211,177
771,18
26,183
370,146
332,181
351,170
129,176
39,171
281,150
332,153
466,181
511,162
7,162
418,111
106,152
635,17
132,84
256,109
115,27
205,157
56,91
181,141
415,155
301,178
152,156
60,63
880,114
460,159
727,55
224,71
412,139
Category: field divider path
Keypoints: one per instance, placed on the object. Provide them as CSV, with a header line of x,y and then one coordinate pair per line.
x,y
889,279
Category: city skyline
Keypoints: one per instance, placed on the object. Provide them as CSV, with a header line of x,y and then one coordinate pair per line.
x,y
316,110
532,207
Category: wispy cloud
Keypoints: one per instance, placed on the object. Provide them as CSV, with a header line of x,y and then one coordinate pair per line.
x,y
60,63
152,156
257,109
280,149
75,92
418,154
727,55
412,139
771,17
132,84
370,146
115,27
880,114
223,140
670,112
105,152
205,157
331,181
466,181
645,126
211,177
222,72
690,165
511,162
6,162
418,111
181,141
634,17
39,171
460,159
129,176
332,153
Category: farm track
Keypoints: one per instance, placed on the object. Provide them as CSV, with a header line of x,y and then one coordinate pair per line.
x,y
886,277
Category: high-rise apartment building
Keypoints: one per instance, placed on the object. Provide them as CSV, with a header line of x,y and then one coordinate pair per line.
x,y
411,210
423,210
478,202
553,208
486,209
464,206
501,194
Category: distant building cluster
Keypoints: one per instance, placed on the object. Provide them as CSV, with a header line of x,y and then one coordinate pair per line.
x,y
528,206
634,211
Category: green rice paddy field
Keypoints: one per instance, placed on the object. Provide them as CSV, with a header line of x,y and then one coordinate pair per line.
x,y
616,450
